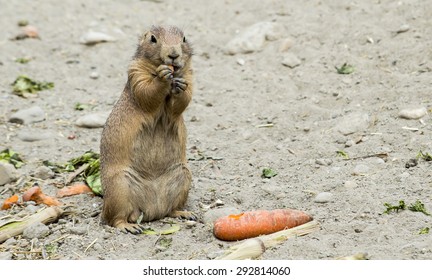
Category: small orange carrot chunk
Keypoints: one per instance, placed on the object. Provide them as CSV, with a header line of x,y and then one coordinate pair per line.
x,y
35,194
256,223
73,190
9,202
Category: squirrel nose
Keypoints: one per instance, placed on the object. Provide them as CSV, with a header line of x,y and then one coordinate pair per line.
x,y
173,56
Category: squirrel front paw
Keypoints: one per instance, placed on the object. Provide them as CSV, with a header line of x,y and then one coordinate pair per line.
x,y
165,72
179,85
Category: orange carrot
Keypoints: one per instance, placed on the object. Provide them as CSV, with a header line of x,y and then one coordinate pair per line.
x,y
259,222
35,194
78,188
31,31
9,202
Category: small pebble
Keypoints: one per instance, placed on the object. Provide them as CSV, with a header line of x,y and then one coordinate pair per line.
x,y
349,143
10,242
43,172
403,28
98,247
94,75
33,135
360,169
241,61
350,184
286,44
8,173
92,38
95,120
290,60
323,197
190,224
36,230
254,37
353,122
413,114
78,230
323,161
26,116
280,195
23,243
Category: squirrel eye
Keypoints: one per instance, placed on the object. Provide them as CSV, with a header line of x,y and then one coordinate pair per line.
x,y
184,39
153,39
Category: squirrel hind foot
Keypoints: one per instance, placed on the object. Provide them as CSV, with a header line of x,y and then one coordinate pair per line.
x,y
126,227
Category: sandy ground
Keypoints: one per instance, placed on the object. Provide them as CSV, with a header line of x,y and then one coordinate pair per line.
x,y
249,112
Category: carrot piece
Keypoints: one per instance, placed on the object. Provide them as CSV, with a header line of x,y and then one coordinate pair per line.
x,y
73,190
35,194
259,222
9,201
31,31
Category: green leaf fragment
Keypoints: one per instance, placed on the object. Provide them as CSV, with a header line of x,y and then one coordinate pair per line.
x,y
22,60
9,156
149,231
268,173
395,208
343,154
81,107
345,69
424,230
165,242
418,206
91,173
23,22
24,84
174,228
94,182
426,156
51,249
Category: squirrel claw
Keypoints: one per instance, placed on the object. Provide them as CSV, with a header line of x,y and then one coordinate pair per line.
x,y
130,228
179,85
184,215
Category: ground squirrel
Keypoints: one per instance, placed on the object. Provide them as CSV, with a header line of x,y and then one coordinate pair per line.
x,y
143,146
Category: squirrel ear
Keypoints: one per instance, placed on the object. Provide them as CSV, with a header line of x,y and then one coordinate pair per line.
x,y
143,37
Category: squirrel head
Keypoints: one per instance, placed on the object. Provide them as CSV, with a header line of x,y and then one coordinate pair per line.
x,y
165,45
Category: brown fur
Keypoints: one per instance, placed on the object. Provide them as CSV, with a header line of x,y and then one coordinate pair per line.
x,y
143,146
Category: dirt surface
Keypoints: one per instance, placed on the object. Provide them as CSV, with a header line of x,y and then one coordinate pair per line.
x,y
249,112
